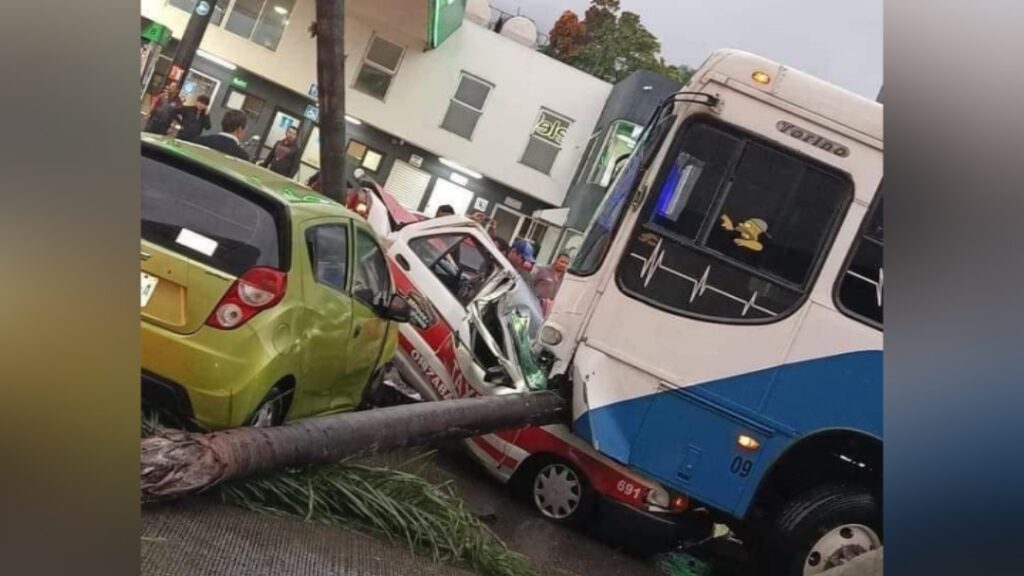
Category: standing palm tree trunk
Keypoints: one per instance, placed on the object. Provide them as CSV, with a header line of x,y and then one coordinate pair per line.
x,y
180,463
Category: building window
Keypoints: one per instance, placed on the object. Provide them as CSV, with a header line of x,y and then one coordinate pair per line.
x,y
735,228
860,285
466,106
620,141
261,21
367,157
379,67
546,141
251,105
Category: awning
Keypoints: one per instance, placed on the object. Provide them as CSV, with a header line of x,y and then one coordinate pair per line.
x,y
556,216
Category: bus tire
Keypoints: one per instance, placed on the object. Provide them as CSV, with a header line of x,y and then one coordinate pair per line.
x,y
821,529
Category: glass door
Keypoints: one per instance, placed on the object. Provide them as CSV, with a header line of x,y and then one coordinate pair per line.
x,y
450,193
310,161
282,122
507,222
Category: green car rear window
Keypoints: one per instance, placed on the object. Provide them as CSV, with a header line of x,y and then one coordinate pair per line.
x,y
206,218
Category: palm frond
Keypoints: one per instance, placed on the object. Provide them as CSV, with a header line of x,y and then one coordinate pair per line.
x,y
679,564
393,502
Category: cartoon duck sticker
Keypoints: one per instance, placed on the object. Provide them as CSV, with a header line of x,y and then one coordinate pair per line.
x,y
749,231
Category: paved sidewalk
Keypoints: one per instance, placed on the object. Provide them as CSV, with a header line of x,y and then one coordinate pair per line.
x,y
206,538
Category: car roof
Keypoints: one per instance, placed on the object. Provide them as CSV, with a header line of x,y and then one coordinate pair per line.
x,y
303,203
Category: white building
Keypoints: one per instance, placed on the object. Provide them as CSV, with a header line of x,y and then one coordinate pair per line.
x,y
517,121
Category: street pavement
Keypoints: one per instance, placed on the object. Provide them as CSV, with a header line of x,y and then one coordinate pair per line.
x,y
206,538
201,536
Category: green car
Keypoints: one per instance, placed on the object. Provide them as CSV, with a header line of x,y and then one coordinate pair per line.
x,y
262,301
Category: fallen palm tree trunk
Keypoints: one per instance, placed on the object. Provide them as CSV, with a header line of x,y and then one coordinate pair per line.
x,y
179,463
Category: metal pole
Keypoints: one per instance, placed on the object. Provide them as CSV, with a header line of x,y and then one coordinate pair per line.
x,y
330,71
190,41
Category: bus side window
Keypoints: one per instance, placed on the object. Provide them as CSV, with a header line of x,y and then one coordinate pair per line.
x,y
860,285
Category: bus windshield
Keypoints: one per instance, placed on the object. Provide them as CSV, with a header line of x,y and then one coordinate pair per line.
x,y
602,228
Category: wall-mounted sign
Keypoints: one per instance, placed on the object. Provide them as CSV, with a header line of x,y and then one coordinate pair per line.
x,y
285,122
314,90
416,161
480,204
813,139
189,87
443,19
157,33
312,113
176,73
513,203
240,82
551,128
202,8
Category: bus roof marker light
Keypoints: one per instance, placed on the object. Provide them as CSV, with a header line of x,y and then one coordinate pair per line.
x,y
748,442
761,77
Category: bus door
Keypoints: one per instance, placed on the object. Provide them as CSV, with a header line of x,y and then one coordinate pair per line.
x,y
708,295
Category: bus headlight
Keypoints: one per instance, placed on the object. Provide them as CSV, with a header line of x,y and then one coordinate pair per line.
x,y
550,335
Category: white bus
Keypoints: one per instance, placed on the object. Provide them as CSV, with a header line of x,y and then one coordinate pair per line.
x,y
721,325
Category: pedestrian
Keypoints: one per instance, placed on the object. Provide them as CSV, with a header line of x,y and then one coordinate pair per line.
x,y
162,110
284,156
229,141
548,279
194,119
170,93
520,255
444,210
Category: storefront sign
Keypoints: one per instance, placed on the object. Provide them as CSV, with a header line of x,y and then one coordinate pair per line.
x,y
445,17
240,82
203,8
157,34
312,113
551,128
189,87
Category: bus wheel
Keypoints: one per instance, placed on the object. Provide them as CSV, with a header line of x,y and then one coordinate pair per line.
x,y
822,529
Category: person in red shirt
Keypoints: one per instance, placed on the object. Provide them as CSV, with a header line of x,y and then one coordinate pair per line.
x,y
548,279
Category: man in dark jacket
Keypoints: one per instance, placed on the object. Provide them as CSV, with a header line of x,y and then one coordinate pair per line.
x,y
284,156
194,120
229,141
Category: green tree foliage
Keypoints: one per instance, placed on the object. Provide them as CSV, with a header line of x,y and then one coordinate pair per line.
x,y
609,43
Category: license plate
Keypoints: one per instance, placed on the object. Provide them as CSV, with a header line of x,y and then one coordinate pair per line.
x,y
148,287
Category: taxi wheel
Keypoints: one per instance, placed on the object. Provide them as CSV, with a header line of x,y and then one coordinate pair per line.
x,y
558,490
273,409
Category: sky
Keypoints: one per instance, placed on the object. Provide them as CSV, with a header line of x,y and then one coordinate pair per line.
x,y
838,41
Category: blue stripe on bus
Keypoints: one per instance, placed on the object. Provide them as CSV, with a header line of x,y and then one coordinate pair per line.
x,y
687,438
